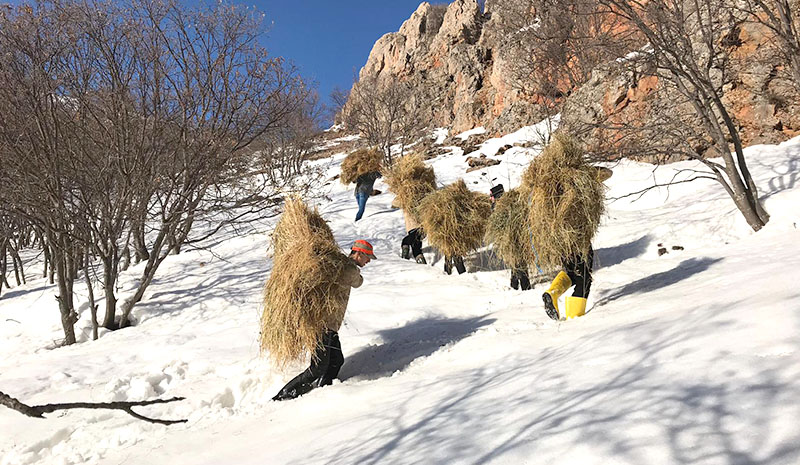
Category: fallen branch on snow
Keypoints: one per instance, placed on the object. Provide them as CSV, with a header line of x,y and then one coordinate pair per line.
x,y
38,411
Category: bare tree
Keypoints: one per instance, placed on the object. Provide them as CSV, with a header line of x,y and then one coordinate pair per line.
x,y
549,48
285,149
40,153
781,18
221,92
140,119
338,98
386,112
687,51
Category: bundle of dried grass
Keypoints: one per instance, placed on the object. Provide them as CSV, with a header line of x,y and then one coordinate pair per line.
x,y
454,218
360,162
508,229
410,180
565,202
301,297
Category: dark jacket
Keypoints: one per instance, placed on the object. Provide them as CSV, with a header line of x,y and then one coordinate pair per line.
x,y
365,182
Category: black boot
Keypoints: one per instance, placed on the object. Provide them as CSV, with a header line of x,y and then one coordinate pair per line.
x,y
324,367
448,265
406,252
524,281
421,259
549,306
293,392
520,280
459,263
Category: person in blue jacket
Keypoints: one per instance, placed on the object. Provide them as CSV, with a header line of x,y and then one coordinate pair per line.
x,y
364,186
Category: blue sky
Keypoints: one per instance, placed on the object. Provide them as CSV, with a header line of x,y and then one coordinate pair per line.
x,y
330,40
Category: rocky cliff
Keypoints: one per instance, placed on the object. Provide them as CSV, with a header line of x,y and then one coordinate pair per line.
x,y
450,54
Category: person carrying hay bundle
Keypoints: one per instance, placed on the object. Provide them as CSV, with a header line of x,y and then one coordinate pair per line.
x,y
454,218
306,296
507,229
362,167
411,180
566,199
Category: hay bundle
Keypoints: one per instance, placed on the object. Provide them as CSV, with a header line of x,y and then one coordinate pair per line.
x,y
301,297
360,162
565,202
455,218
410,180
508,229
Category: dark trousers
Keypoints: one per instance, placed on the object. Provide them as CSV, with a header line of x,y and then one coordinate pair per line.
x,y
580,273
450,262
519,279
325,365
414,240
361,198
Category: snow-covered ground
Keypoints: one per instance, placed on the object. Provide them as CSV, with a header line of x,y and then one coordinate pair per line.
x,y
688,357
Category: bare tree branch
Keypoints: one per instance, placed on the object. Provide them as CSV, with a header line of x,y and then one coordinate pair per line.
x,y
38,411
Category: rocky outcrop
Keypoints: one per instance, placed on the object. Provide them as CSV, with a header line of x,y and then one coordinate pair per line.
x,y
450,54
759,95
447,52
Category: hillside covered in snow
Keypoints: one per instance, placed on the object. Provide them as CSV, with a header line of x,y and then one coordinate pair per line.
x,y
690,356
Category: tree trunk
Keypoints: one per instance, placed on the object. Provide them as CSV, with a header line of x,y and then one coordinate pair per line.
x,y
139,244
92,305
46,252
2,268
745,190
52,270
3,265
17,261
110,272
65,303
147,276
125,260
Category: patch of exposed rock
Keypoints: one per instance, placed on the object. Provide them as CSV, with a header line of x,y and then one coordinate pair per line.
x,y
480,162
449,53
760,96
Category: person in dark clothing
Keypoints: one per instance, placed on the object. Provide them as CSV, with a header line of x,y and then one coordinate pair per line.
x,y
328,358
520,279
325,365
364,186
412,245
578,272
519,274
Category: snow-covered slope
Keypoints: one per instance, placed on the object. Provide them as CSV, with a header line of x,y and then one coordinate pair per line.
x,y
688,357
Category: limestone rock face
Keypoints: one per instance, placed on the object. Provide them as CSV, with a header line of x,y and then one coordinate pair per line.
x,y
447,53
760,96
451,56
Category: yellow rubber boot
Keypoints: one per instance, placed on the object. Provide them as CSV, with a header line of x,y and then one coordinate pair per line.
x,y
576,306
559,286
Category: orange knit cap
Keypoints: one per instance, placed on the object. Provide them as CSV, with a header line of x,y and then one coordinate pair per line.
x,y
365,247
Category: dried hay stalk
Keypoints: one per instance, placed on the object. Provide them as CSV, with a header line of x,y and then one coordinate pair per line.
x,y
507,229
565,201
301,297
410,180
455,218
360,162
